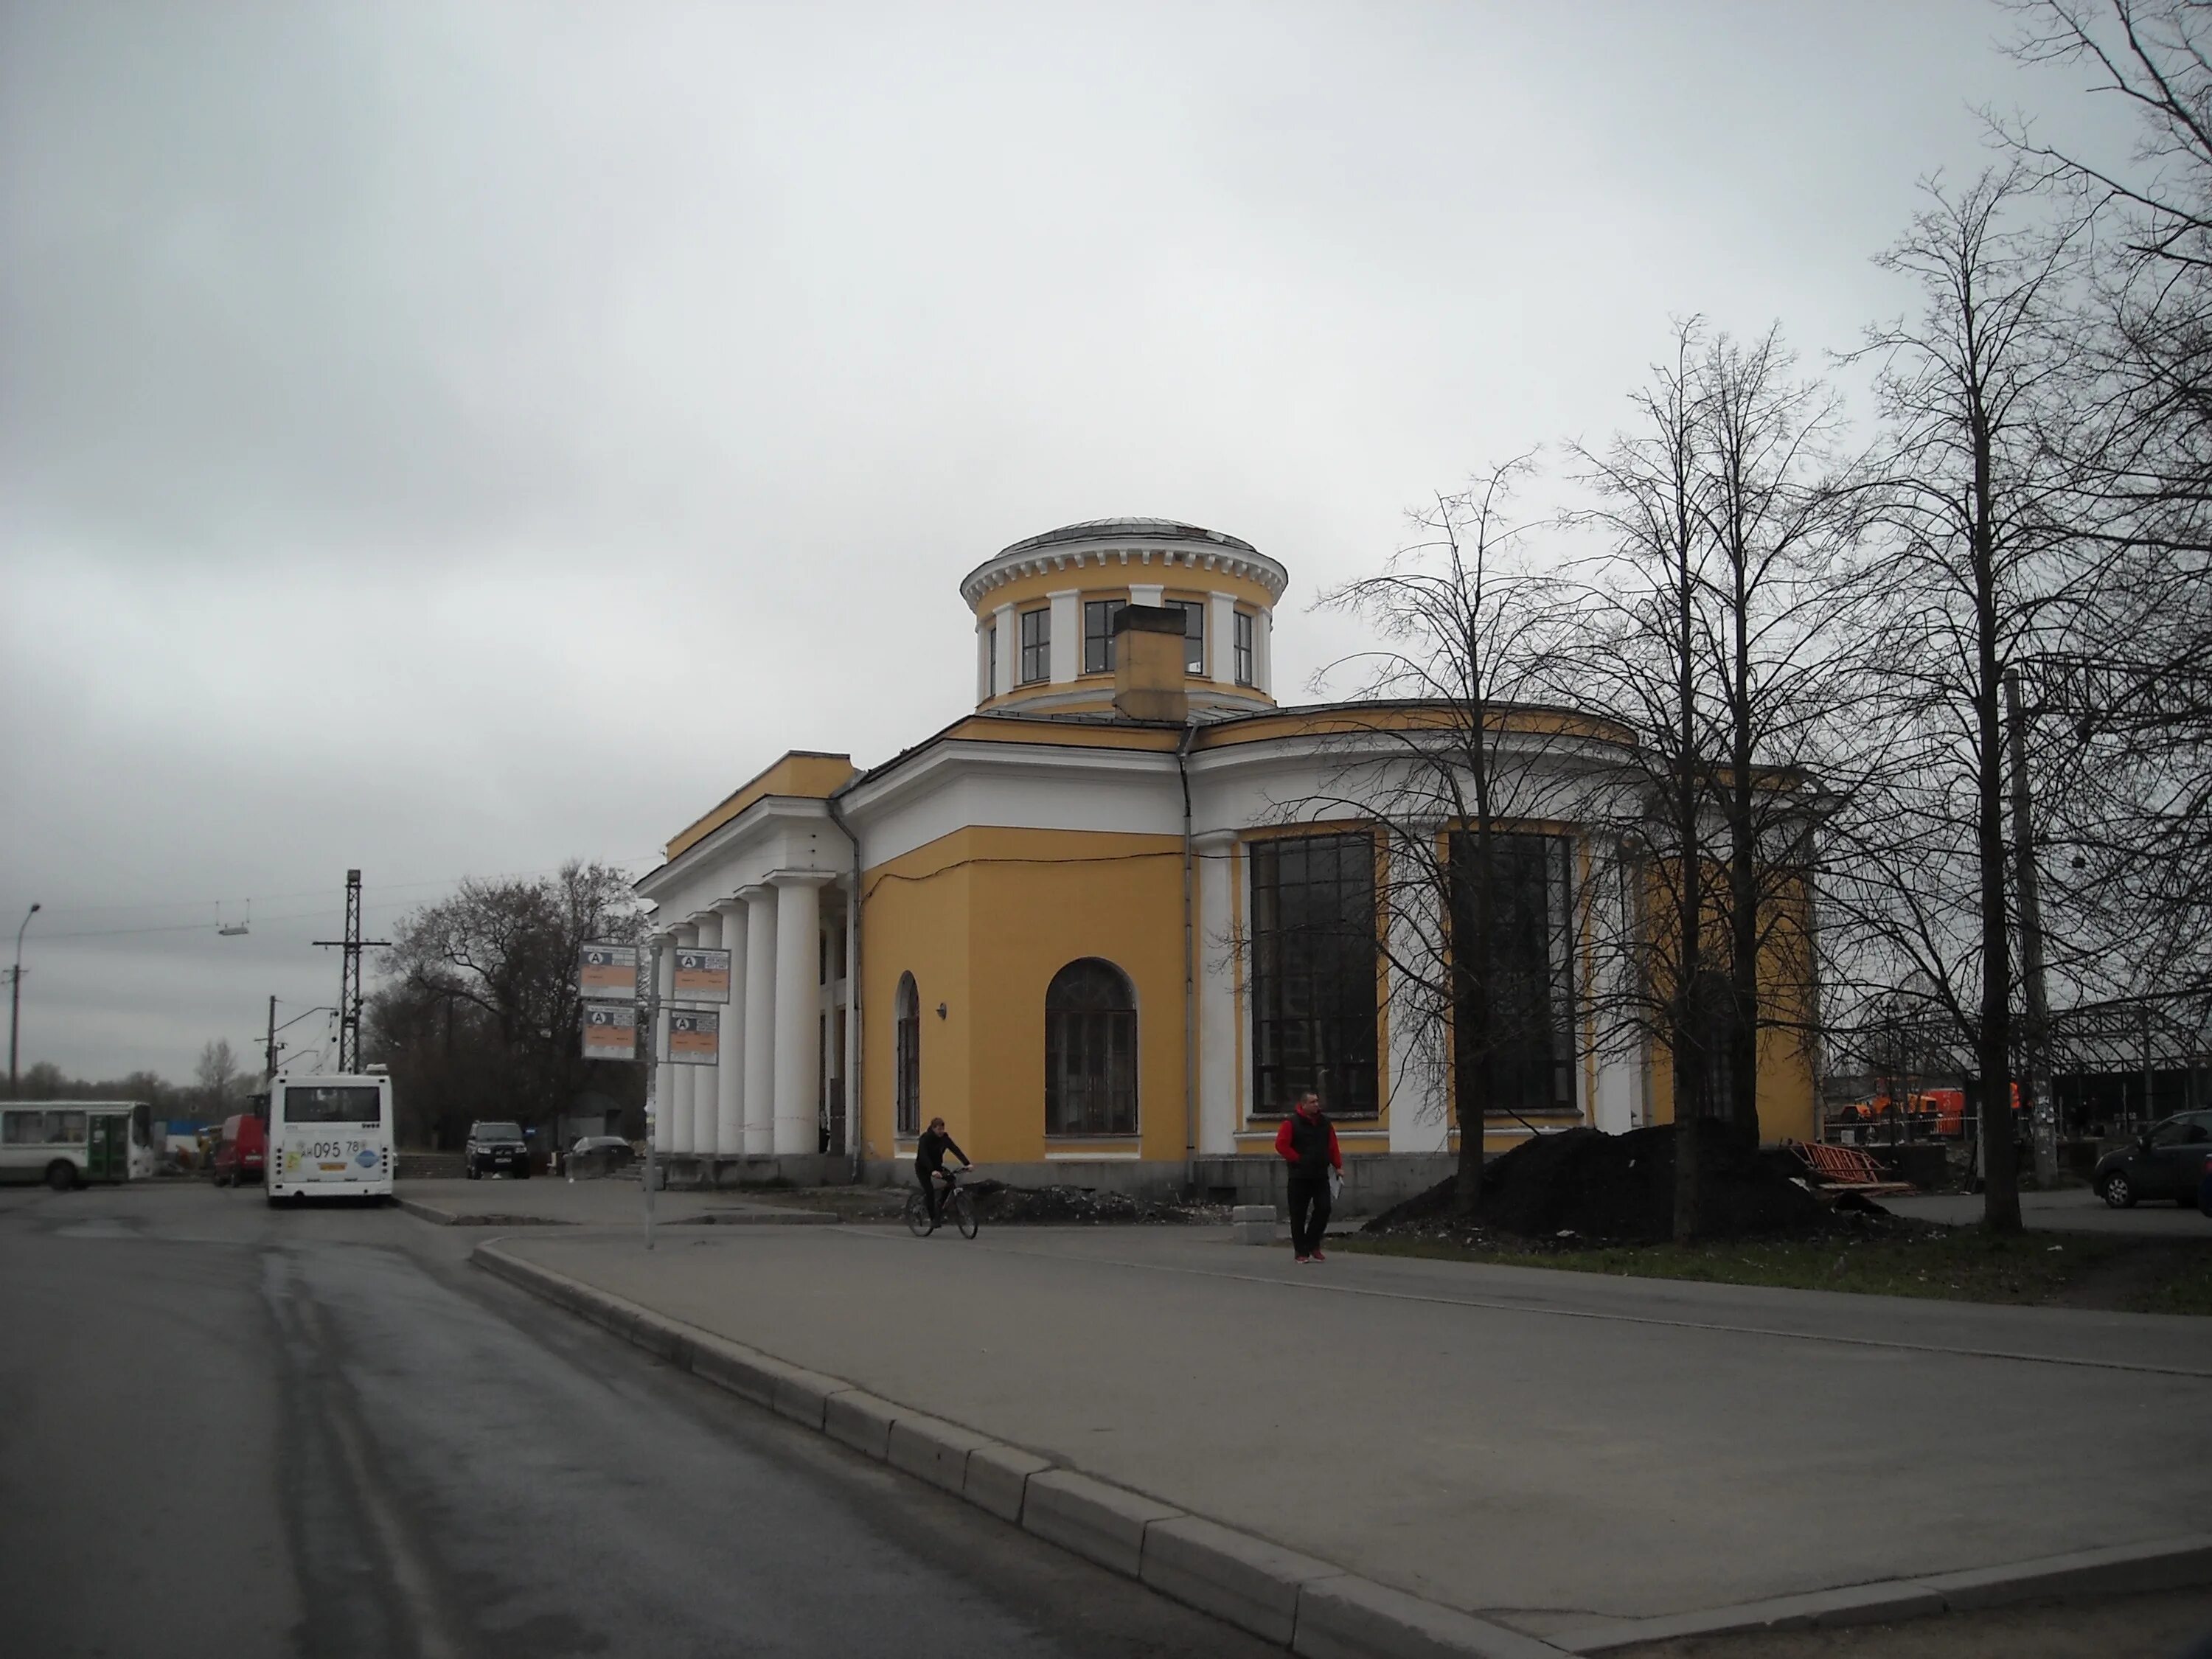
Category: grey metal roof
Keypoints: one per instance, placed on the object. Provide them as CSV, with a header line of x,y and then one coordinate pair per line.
x,y
1093,529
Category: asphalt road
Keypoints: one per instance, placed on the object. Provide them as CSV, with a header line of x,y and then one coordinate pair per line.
x,y
229,1431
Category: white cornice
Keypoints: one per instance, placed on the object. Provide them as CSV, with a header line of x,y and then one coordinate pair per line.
x,y
757,822
1122,552
949,762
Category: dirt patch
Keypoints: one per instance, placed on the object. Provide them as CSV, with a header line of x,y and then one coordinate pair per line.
x,y
1586,1184
1030,1207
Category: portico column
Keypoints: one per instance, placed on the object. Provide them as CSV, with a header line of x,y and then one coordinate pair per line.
x,y
760,1020
679,1117
798,1008
664,1074
705,1079
730,1075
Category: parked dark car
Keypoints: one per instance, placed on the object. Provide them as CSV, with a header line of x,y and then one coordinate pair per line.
x,y
600,1155
2171,1162
497,1149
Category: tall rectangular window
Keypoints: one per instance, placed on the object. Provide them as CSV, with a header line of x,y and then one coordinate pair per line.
x,y
1513,1046
1098,634
1243,655
1194,634
991,661
1037,646
1315,1019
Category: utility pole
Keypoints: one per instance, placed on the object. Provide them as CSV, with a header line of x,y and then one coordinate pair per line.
x,y
271,1060
15,1000
2041,1115
351,948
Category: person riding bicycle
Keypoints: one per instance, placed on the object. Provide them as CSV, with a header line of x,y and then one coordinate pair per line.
x,y
929,1166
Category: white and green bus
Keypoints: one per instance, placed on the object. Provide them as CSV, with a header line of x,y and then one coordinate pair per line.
x,y
329,1137
67,1143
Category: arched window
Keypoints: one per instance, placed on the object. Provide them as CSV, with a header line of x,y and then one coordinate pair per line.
x,y
907,1074
1089,1051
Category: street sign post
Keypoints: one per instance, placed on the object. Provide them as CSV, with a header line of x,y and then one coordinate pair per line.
x,y
607,983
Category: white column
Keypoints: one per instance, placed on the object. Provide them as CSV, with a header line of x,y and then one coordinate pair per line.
x,y
729,1076
1010,645
855,1145
760,1020
1067,635
1221,637
705,1079
664,1074
797,1010
1217,996
983,648
685,1089
1263,652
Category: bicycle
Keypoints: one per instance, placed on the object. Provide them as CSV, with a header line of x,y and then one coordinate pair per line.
x,y
955,1207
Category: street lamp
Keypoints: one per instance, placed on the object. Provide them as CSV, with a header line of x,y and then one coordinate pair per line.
x,y
15,999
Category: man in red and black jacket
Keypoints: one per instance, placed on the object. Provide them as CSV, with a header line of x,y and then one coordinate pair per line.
x,y
1308,1139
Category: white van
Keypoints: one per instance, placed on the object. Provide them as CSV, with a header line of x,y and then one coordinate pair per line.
x,y
330,1137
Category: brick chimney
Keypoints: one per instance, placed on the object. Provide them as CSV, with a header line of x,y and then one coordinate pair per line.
x,y
1148,665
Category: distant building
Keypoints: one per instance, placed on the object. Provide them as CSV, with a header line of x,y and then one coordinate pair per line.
x,y
1005,904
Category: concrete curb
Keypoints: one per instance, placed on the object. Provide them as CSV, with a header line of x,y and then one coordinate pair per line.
x,y
1316,1609
438,1218
764,1217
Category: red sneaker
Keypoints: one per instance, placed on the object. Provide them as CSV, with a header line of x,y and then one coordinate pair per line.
x,y
1305,1262
1320,1255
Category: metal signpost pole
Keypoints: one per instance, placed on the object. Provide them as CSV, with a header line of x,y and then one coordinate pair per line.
x,y
652,1072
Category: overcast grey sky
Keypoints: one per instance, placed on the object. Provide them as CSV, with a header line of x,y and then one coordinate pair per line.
x,y
450,438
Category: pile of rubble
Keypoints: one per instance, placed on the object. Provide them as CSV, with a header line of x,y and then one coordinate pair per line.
x,y
1581,1184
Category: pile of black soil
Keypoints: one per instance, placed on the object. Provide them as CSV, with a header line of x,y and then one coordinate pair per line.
x,y
1028,1207
1621,1188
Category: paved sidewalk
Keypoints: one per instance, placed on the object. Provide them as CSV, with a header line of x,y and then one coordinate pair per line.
x,y
1552,1451
2074,1211
613,1203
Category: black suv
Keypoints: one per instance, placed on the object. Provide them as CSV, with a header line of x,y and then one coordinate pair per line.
x,y
498,1149
2170,1162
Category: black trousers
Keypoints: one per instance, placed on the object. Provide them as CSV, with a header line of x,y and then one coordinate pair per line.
x,y
933,1194
1309,1214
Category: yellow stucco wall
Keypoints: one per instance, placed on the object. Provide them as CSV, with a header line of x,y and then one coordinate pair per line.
x,y
983,918
1786,1084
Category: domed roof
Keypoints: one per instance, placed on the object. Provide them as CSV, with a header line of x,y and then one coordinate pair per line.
x,y
1093,529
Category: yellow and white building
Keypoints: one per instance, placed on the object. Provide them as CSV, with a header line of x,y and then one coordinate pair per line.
x,y
1078,922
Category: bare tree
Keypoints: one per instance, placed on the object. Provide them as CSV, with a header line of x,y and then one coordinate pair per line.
x,y
479,1017
1647,644
1451,751
1979,564
216,1073
2131,691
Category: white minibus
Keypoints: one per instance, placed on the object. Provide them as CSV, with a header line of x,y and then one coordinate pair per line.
x,y
66,1143
330,1137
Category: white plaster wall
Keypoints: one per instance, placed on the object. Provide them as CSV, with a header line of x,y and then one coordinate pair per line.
x,y
1217,995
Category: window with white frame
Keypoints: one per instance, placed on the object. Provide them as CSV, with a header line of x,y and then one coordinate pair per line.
x,y
1037,646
